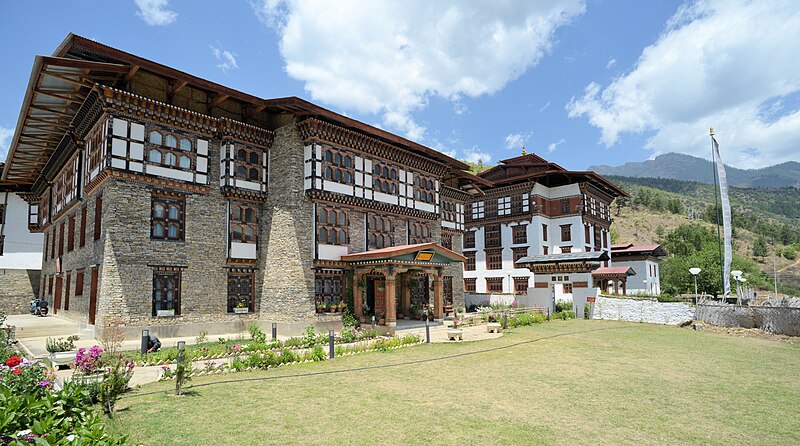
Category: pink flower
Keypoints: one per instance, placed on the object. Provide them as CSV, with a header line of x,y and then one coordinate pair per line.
x,y
44,383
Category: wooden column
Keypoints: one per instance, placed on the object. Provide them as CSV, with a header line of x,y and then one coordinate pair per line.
x,y
405,304
391,300
625,287
357,298
616,286
438,298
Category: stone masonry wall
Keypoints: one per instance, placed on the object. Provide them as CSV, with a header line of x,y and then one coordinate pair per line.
x,y
650,311
17,288
779,320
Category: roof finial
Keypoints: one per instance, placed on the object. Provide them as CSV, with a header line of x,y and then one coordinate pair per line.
x,y
523,151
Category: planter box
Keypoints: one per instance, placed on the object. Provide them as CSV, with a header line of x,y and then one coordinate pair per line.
x,y
63,358
241,310
86,380
493,327
165,313
455,334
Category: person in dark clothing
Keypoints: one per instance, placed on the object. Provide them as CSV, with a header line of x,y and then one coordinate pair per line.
x,y
153,344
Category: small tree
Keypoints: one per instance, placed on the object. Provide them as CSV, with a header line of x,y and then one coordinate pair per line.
x,y
760,248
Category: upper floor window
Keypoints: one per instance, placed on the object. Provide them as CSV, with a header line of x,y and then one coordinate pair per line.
x,y
424,189
492,235
566,233
520,285
478,210
332,226
384,178
419,233
167,218
449,211
469,239
494,284
244,223
169,151
494,259
520,234
518,254
381,232
469,285
469,264
447,241
338,166
544,232
565,206
504,206
248,164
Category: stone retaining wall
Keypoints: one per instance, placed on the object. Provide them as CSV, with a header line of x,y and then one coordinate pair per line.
x,y
17,288
650,311
779,320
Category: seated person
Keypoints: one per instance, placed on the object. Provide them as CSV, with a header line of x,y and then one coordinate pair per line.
x,y
153,344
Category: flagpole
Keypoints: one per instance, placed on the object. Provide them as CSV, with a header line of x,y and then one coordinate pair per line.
x,y
718,210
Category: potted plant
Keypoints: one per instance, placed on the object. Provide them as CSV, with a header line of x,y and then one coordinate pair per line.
x,y
241,308
320,306
62,351
88,366
455,332
342,305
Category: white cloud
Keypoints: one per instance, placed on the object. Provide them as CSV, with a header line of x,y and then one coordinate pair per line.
x,y
553,146
155,12
5,142
390,58
544,107
515,141
474,155
227,60
717,64
611,62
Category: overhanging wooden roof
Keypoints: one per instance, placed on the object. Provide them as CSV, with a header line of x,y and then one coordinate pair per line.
x,y
400,252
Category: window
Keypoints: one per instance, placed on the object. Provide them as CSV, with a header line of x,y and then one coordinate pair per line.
x,y
167,290
518,254
469,285
424,189
544,232
566,249
566,233
240,290
79,283
67,289
50,286
418,233
587,233
244,223
248,164
61,240
478,210
53,244
469,239
338,166
598,242
332,226
565,205
384,179
328,290
71,234
603,237
381,232
165,150
545,250
520,285
494,284
567,288
447,241
504,206
449,211
492,236
46,244
83,227
469,264
494,259
98,212
520,234
167,218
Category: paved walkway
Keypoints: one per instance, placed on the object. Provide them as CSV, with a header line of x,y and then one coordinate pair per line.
x,y
32,333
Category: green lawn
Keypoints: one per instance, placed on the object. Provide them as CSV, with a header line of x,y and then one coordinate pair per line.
x,y
606,383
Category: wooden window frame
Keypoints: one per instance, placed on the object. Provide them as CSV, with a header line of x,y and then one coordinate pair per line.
x,y
544,232
477,210
545,250
469,239
166,221
241,288
98,217
419,232
329,289
71,233
519,234
82,242
567,288
470,285
492,284
239,220
165,150
339,227
566,249
447,241
449,211
521,285
2,213
565,205
378,236
61,229
67,289
163,276
95,143
519,253
469,263
385,178
566,233
79,279
504,205
494,259
338,172
493,237
587,234
424,189
247,163
46,244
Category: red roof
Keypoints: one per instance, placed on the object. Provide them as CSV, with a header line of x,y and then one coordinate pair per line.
x,y
616,246
614,270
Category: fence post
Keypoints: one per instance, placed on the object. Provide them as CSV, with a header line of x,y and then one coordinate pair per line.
x,y
331,339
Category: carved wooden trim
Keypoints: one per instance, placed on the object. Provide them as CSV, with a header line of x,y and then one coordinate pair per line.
x,y
454,194
250,134
243,194
364,203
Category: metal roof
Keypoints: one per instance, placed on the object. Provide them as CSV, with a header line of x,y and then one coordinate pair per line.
x,y
593,256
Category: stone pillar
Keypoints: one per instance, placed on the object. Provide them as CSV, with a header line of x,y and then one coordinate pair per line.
x,y
438,298
406,302
357,297
391,300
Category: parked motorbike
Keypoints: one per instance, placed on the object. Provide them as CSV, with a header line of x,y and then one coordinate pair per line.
x,y
39,307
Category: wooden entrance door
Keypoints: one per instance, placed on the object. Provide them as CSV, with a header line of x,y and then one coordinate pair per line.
x,y
379,290
57,299
93,297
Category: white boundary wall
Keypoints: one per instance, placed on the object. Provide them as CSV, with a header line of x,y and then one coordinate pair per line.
x,y
650,311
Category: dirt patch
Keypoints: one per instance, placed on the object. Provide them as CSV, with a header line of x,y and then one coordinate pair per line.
x,y
746,333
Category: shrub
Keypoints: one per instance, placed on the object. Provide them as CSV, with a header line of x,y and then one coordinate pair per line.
x,y
564,315
256,333
520,320
349,320
115,383
563,306
60,344
309,336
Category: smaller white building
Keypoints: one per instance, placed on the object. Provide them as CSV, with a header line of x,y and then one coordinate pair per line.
x,y
644,260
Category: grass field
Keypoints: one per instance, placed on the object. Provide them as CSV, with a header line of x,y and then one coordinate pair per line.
x,y
595,382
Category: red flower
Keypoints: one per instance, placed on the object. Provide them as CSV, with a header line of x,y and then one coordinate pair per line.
x,y
16,371
13,361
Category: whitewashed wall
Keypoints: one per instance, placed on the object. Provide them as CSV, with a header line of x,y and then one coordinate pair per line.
x,y
23,250
650,311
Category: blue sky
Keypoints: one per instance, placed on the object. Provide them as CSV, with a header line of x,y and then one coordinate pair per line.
x,y
578,82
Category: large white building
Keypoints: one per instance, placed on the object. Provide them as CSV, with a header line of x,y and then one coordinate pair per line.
x,y
644,261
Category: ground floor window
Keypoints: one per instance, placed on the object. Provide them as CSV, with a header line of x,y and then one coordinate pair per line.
x,y
494,284
329,291
469,285
166,291
567,288
240,291
520,285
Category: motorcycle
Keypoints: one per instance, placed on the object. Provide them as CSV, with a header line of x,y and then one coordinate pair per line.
x,y
39,307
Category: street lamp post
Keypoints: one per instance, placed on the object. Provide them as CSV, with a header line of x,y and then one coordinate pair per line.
x,y
695,271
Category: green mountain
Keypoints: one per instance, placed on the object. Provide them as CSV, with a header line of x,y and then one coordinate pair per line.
x,y
689,168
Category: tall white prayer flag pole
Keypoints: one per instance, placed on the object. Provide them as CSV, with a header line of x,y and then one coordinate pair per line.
x,y
726,216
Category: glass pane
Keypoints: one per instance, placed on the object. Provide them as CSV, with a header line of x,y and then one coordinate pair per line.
x,y
379,242
394,188
186,144
347,162
323,235
337,175
158,210
377,170
387,241
342,238
155,138
393,174
237,233
337,159
241,172
378,224
254,158
241,155
322,216
342,219
185,163
332,217
347,178
170,141
249,234
174,212
155,156
328,156
253,174
328,173
158,230
170,159
372,239
250,215
173,231
385,172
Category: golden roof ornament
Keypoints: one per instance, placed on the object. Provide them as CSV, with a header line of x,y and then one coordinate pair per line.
x,y
523,151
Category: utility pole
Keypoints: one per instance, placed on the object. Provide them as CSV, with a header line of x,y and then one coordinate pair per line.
x,y
774,266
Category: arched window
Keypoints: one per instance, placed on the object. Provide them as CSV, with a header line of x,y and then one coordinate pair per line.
x,y
186,144
253,175
254,158
173,231
241,155
155,138
237,233
174,212
249,234
250,215
155,156
170,159
328,156
158,210
170,142
241,172
185,162
158,230
167,218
